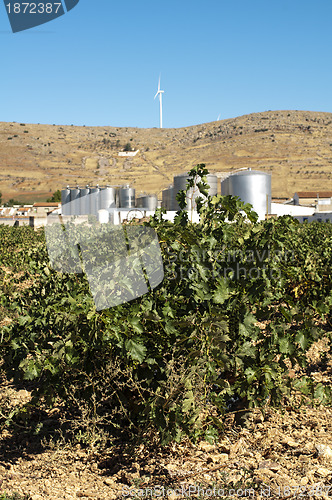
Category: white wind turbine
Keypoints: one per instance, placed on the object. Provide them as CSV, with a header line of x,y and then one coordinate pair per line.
x,y
160,93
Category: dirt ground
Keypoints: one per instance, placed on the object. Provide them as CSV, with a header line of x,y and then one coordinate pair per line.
x,y
279,453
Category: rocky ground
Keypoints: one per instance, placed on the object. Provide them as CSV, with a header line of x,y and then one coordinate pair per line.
x,y
277,453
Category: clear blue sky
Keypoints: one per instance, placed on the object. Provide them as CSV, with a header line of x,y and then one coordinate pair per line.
x,y
99,64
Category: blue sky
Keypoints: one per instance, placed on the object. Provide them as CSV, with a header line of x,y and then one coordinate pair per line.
x,y
99,64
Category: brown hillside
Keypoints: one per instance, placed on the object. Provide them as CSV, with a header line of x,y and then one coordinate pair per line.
x,y
295,146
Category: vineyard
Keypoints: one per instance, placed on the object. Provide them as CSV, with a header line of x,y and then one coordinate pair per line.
x,y
240,305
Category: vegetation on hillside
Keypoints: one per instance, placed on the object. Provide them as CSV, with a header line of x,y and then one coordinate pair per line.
x,y
12,202
55,197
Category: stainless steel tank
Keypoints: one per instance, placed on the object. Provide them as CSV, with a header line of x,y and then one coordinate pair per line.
x,y
180,184
171,196
149,202
212,181
94,200
224,187
107,198
65,201
84,200
127,197
139,201
167,198
75,201
254,187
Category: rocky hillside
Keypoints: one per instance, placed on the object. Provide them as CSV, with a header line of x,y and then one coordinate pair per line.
x,y
295,146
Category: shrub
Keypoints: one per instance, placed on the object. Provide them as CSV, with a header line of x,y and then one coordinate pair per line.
x,y
241,302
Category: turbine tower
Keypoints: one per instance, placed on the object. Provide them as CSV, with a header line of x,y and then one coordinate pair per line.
x,y
160,93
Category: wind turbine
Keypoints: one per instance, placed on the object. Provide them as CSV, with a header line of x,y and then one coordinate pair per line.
x,y
160,93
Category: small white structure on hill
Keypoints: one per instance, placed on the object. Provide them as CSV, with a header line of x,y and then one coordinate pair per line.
x,y
128,153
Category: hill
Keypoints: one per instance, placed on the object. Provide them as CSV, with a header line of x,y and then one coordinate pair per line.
x,y
295,146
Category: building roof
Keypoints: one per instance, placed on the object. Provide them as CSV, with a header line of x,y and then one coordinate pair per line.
x,y
47,204
314,194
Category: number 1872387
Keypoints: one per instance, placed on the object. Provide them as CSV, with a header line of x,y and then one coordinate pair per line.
x,y
33,8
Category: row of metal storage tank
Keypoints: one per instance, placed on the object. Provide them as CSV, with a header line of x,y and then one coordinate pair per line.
x,y
88,200
251,186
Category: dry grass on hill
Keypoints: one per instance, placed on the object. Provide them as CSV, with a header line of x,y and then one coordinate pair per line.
x,y
295,146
